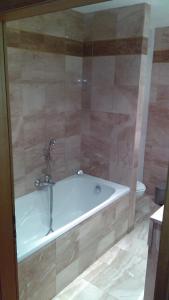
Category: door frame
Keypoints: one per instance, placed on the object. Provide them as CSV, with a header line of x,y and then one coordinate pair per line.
x,y
8,263
12,10
162,276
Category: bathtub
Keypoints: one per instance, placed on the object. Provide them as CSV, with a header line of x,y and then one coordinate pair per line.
x,y
75,199
89,216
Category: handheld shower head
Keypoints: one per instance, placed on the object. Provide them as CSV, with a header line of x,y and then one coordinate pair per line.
x,y
48,149
52,142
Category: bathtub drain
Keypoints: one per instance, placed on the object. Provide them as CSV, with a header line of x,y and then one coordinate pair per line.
x,y
98,189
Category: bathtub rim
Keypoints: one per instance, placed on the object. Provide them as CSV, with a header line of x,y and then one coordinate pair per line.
x,y
44,241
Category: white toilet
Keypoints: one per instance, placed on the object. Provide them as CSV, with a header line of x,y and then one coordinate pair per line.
x,y
140,190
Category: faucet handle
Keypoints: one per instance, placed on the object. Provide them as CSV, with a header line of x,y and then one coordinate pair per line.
x,y
47,178
74,171
37,183
78,172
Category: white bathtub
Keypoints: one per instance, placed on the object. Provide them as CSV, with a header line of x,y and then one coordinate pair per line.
x,y
75,200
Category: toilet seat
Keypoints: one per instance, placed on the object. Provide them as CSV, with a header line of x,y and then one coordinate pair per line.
x,y
140,187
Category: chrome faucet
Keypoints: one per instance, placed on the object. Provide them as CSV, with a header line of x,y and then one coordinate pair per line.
x,y
78,172
41,184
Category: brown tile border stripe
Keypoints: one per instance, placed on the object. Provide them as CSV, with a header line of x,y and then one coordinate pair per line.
x,y
46,43
127,46
161,56
43,43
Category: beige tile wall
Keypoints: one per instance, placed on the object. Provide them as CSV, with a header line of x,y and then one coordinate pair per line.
x,y
111,96
45,97
94,122
157,142
66,23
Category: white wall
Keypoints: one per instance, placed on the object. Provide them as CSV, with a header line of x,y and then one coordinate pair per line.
x,y
160,9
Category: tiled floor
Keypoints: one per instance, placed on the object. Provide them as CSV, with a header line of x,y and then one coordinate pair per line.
x,y
120,273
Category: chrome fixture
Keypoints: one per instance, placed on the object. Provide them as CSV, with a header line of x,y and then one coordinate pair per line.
x,y
98,189
40,184
78,172
47,152
46,182
50,210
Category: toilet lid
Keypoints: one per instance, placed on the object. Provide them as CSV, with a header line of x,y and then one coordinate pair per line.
x,y
140,187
